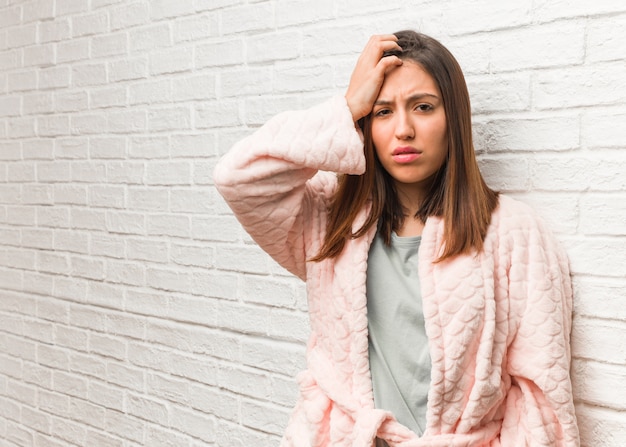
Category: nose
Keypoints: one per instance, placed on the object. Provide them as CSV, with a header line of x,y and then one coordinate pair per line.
x,y
404,127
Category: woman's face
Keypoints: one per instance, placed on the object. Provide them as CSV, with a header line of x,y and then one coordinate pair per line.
x,y
409,127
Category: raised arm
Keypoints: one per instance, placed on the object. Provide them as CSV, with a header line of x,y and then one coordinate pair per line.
x,y
269,178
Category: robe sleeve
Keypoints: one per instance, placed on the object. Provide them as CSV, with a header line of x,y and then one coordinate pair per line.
x,y
539,407
272,179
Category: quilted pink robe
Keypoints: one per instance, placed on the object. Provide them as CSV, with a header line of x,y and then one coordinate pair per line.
x,y
498,321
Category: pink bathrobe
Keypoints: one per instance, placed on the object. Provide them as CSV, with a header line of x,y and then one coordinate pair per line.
x,y
498,322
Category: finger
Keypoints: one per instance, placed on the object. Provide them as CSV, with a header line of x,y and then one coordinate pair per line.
x,y
384,37
375,50
389,63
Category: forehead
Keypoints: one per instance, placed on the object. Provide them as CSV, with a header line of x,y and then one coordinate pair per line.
x,y
406,80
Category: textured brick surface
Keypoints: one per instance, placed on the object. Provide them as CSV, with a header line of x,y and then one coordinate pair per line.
x,y
134,311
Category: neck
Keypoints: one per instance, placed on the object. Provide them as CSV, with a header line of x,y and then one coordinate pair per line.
x,y
410,197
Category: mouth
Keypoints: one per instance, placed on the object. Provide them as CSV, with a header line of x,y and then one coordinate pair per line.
x,y
405,154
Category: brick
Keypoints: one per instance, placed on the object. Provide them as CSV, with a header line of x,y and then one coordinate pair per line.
x,y
254,17
32,104
598,383
89,75
554,88
273,46
223,114
605,426
109,397
196,27
106,196
148,199
168,173
128,69
54,403
20,258
148,409
87,219
193,423
53,217
167,279
124,172
607,293
24,128
75,339
192,145
72,50
125,273
72,101
598,130
72,289
602,214
115,96
35,238
38,10
105,295
87,268
107,147
111,246
69,431
590,339
548,11
174,60
37,375
151,92
54,78
70,194
147,250
22,36
261,416
598,173
11,16
70,7
71,240
54,30
71,148
194,87
177,118
150,38
53,126
125,426
104,440
89,24
246,82
22,81
19,435
228,52
584,254
127,121
53,263
303,78
129,15
125,222
545,46
21,215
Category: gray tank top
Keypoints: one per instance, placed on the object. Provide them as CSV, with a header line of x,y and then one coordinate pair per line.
x,y
398,347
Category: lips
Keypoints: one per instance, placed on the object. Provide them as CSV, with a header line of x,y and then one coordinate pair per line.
x,y
405,154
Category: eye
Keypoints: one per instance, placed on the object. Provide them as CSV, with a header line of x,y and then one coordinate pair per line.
x,y
424,107
382,112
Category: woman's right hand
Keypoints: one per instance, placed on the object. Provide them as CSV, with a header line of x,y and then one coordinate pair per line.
x,y
369,74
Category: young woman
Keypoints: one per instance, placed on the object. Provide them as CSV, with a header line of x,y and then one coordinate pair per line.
x,y
440,311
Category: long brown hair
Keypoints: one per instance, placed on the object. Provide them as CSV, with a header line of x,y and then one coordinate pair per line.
x,y
458,193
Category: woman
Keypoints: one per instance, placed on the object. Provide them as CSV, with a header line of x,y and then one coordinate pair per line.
x,y
440,311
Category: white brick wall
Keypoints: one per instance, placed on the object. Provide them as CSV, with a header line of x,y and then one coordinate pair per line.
x,y
134,311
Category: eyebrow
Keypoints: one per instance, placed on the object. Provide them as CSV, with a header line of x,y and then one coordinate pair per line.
x,y
413,97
